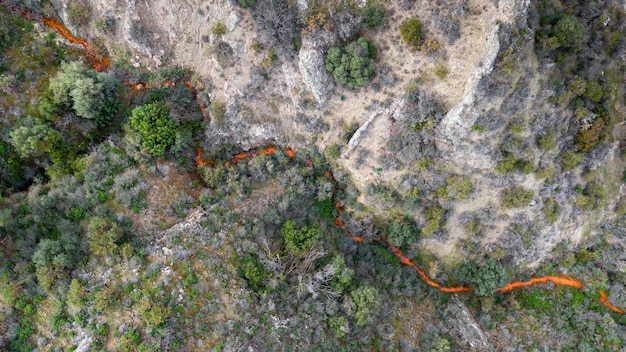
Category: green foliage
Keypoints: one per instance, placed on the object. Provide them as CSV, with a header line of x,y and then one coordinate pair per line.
x,y
483,279
77,13
352,65
411,33
76,293
246,3
298,240
373,15
441,71
593,91
103,236
434,218
551,210
515,197
367,302
338,326
35,138
569,159
253,271
457,187
548,141
92,95
218,29
218,111
155,126
587,138
400,233
568,32
343,274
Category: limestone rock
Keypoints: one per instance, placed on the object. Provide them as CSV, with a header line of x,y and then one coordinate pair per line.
x,y
311,65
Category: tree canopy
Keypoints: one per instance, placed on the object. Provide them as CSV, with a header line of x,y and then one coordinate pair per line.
x,y
155,126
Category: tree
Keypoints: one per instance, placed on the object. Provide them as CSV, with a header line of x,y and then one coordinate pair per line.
x,y
352,65
92,95
411,33
367,301
299,240
401,233
103,235
35,138
483,279
155,126
568,32
373,15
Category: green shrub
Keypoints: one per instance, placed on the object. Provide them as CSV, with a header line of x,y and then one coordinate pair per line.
x,y
434,218
441,71
551,210
483,279
352,65
77,13
411,33
92,95
218,111
155,126
373,15
367,302
246,3
103,236
587,139
76,293
343,274
400,233
516,197
568,32
298,240
548,141
568,160
253,271
218,29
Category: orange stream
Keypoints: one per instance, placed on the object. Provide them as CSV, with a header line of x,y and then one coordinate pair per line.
x,y
564,281
99,63
605,302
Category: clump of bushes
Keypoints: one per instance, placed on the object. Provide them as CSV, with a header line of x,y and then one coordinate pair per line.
x,y
373,15
551,210
569,160
298,240
516,197
411,33
483,279
352,65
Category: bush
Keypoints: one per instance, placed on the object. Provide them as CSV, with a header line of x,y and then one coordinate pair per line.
x,y
551,210
218,29
92,95
568,32
352,65
367,301
411,33
103,235
246,3
298,240
434,218
483,279
35,138
400,233
253,271
77,13
548,141
587,139
569,160
155,126
218,111
373,15
516,197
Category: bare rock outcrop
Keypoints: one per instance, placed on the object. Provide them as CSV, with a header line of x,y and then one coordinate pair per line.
x,y
311,65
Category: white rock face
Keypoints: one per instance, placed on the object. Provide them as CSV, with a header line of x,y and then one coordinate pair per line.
x,y
311,65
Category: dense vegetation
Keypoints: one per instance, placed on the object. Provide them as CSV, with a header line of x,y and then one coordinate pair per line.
x,y
112,237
